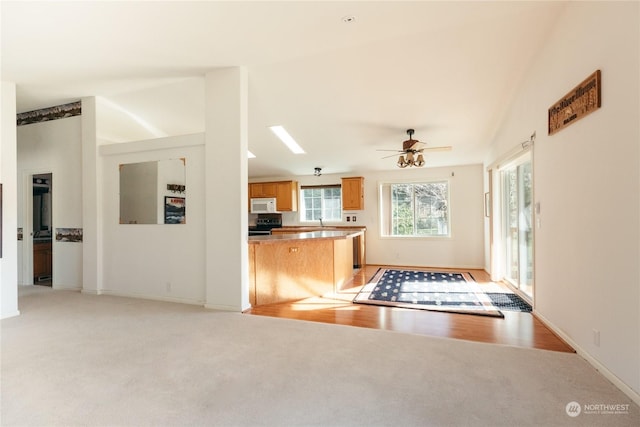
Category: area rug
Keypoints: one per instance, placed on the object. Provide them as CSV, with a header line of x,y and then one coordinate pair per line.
x,y
427,290
509,301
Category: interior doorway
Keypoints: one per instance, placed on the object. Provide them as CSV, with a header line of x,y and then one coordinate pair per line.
x,y
42,229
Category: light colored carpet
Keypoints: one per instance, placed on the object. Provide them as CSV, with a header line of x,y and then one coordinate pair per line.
x,y
73,359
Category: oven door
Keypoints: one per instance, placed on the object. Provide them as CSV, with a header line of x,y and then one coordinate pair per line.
x,y
254,231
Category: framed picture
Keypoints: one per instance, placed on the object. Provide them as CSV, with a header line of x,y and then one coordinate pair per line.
x,y
174,210
69,234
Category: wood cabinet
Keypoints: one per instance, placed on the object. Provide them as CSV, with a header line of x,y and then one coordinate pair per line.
x,y
353,193
294,269
287,196
262,189
41,260
285,192
359,244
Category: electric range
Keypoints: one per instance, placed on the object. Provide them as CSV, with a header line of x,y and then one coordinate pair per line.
x,y
265,223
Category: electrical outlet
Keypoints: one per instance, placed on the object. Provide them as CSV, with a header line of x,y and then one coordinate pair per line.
x,y
596,337
348,218
354,218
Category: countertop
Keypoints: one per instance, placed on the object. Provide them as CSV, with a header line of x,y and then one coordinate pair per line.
x,y
301,228
310,235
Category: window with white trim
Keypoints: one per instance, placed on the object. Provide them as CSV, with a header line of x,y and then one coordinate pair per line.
x,y
320,202
415,209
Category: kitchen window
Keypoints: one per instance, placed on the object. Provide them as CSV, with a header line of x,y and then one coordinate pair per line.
x,y
321,202
415,209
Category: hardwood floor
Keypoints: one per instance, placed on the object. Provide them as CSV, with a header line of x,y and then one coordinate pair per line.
x,y
516,328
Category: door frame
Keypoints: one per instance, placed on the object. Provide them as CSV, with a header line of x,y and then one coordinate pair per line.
x,y
497,257
27,225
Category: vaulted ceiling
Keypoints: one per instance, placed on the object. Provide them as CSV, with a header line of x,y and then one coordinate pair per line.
x,y
344,78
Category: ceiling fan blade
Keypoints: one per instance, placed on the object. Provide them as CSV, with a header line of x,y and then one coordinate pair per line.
x,y
397,151
393,155
443,148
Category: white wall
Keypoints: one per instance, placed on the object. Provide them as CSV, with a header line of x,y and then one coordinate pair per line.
x,y
167,107
9,260
586,179
53,146
155,261
226,119
169,172
464,249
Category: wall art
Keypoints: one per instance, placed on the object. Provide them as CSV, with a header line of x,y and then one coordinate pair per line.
x,y
580,101
174,210
51,113
69,234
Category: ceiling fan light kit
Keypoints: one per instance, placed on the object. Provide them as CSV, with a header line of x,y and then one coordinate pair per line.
x,y
411,146
411,153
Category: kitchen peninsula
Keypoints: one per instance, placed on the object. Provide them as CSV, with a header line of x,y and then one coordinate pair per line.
x,y
300,264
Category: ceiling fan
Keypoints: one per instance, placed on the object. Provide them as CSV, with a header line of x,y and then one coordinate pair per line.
x,y
412,147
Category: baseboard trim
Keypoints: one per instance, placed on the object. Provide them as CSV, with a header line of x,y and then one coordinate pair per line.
x,y
12,314
66,288
633,395
150,297
224,307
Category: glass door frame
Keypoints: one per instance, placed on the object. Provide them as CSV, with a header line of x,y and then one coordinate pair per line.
x,y
500,225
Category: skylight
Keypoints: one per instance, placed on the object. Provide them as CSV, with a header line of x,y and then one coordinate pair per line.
x,y
287,139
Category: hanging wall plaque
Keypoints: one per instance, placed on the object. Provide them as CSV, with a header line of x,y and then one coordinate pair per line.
x,y
580,101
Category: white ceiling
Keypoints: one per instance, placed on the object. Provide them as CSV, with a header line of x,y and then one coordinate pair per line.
x,y
446,69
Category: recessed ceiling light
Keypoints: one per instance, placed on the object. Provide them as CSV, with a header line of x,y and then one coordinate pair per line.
x,y
348,19
250,155
287,139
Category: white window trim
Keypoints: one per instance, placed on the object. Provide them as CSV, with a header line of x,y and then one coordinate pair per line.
x,y
301,211
381,216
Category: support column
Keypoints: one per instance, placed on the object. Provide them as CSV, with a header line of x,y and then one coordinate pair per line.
x,y
227,270
9,181
91,201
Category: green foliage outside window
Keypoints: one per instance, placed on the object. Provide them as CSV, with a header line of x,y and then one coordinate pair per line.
x,y
420,209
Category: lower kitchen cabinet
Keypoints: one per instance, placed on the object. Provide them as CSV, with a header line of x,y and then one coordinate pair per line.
x,y
42,260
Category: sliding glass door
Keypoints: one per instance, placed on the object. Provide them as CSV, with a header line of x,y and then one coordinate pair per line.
x,y
517,218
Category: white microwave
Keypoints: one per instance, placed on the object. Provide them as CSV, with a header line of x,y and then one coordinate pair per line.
x,y
264,205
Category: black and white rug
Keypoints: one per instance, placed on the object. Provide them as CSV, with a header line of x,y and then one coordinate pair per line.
x,y
509,301
427,290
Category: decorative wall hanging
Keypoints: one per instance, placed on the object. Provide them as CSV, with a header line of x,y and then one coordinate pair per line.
x,y
51,113
176,188
580,101
69,234
174,210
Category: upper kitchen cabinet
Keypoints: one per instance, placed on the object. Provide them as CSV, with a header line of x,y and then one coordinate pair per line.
x,y
353,193
262,189
287,196
285,192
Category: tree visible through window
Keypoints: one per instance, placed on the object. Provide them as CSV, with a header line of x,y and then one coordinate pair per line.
x,y
420,209
321,202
